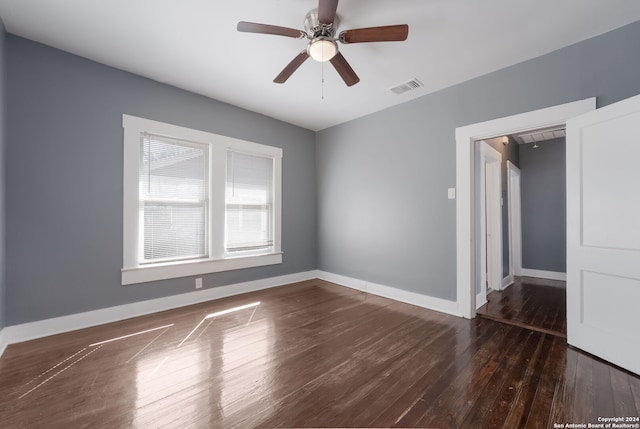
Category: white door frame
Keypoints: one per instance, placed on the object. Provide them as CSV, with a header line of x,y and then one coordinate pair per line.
x,y
465,183
515,222
490,213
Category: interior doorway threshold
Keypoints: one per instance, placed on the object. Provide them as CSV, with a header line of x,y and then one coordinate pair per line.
x,y
479,313
530,303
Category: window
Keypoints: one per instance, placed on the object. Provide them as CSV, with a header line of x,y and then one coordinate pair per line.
x,y
196,202
174,199
249,202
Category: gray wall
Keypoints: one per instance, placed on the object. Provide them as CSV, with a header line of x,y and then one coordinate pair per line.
x,y
544,206
383,212
2,181
64,170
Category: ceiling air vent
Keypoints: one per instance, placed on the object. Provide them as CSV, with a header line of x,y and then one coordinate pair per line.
x,y
540,135
406,86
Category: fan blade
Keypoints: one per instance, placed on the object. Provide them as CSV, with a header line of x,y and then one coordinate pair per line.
x,y
344,70
389,33
327,11
291,67
252,27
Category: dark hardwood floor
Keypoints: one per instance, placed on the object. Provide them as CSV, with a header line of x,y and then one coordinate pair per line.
x,y
311,354
537,304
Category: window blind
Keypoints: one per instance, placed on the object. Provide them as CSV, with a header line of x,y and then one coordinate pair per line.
x,y
174,198
249,202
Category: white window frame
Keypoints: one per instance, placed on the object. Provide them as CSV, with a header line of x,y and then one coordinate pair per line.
x,y
219,260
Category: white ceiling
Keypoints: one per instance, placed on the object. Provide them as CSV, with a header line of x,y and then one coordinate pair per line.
x,y
193,44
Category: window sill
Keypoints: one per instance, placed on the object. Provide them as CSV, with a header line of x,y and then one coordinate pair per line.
x,y
173,270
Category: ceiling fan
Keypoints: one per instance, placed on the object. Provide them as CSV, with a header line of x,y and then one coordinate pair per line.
x,y
320,27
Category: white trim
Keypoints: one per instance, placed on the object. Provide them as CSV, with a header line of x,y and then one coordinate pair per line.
x,y
514,204
465,138
424,301
4,340
195,268
507,281
189,134
541,274
217,260
58,325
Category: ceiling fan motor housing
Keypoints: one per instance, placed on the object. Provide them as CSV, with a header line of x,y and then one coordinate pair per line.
x,y
315,29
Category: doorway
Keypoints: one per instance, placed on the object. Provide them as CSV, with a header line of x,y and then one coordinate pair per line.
x,y
466,251
525,297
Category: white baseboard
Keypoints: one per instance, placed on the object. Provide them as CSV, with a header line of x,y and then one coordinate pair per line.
x,y
506,282
541,274
425,301
58,325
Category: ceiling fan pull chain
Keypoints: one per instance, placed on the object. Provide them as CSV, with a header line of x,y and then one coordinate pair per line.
x,y
322,84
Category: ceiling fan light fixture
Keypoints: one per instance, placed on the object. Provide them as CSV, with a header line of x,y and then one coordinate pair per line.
x,y
322,49
320,27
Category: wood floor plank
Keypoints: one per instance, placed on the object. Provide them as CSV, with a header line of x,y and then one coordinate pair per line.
x,y
487,397
384,404
358,397
540,412
622,394
634,383
525,392
536,304
440,381
474,378
363,366
603,397
583,397
317,365
562,404
515,376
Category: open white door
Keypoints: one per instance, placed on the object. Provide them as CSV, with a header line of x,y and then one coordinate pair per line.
x,y
603,233
490,221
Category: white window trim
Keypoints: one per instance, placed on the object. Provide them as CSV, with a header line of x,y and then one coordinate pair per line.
x,y
219,260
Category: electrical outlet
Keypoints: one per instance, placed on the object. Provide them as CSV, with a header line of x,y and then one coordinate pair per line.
x,y
199,283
